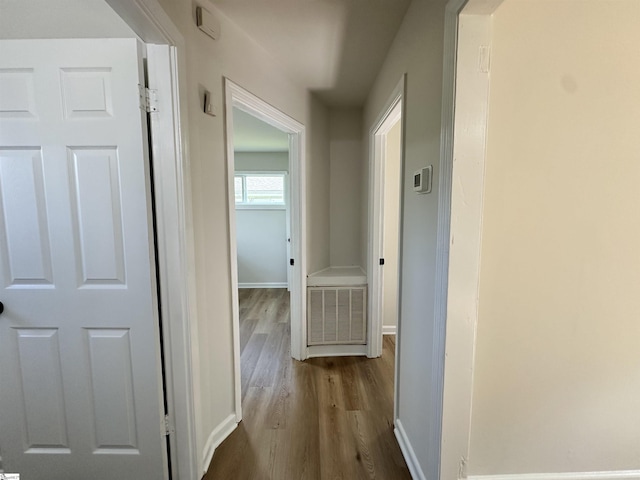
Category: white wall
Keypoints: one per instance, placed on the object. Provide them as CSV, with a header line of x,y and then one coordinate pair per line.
x,y
239,58
393,164
557,371
345,150
416,50
261,234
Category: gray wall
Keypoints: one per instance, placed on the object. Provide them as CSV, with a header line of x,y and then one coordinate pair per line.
x,y
345,149
417,50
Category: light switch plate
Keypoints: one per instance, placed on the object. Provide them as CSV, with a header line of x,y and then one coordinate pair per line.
x,y
209,107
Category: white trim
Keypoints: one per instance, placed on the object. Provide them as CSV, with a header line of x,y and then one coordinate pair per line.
x,y
387,118
389,329
615,475
169,192
338,277
444,233
408,453
262,206
263,285
238,97
261,172
175,241
468,96
216,437
315,351
149,21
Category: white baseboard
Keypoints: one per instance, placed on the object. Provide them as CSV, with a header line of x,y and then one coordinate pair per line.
x,y
408,453
389,329
216,437
264,285
615,475
336,351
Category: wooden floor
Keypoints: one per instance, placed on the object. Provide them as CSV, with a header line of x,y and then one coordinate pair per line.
x,y
325,418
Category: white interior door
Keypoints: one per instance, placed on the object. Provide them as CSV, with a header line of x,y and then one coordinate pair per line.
x,y
80,382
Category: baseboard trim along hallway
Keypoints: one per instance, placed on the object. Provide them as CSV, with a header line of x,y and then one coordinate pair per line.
x,y
408,453
263,285
389,329
217,436
616,475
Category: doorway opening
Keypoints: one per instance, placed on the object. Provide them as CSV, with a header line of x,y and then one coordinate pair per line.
x,y
266,219
385,199
261,195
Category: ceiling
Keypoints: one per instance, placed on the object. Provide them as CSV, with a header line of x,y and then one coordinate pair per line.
x,y
60,19
333,47
253,135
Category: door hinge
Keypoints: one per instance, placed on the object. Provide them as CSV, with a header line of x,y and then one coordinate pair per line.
x,y
167,428
382,261
148,99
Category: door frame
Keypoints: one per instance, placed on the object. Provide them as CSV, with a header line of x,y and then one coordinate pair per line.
x,y
238,97
465,109
392,111
167,70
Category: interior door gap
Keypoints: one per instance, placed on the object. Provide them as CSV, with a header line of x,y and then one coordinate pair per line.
x,y
163,365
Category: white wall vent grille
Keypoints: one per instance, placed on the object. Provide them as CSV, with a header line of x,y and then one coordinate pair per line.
x,y
336,315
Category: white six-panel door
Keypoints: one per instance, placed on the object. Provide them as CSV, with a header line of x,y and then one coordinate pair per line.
x,y
80,384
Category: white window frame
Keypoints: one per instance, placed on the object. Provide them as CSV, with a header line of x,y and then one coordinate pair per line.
x,y
261,173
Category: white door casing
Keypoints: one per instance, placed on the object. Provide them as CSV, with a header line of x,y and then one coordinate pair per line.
x,y
79,342
391,113
236,96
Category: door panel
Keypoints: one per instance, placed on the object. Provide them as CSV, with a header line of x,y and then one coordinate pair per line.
x,y
24,223
80,377
95,188
42,392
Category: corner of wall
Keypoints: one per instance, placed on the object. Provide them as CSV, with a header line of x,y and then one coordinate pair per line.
x,y
215,438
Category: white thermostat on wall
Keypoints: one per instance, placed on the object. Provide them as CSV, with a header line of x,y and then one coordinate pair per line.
x,y
422,180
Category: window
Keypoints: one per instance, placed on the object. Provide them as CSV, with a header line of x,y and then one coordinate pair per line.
x,y
265,189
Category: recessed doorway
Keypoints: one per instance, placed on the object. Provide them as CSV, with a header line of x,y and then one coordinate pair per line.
x,y
268,188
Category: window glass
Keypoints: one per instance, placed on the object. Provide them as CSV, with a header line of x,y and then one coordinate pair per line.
x,y
239,189
265,189
259,189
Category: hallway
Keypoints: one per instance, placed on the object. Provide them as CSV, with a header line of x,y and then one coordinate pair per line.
x,y
326,418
